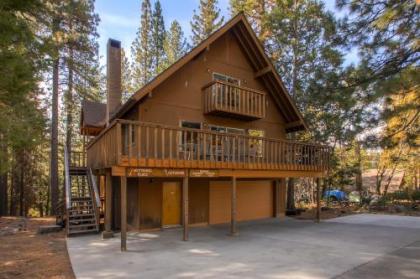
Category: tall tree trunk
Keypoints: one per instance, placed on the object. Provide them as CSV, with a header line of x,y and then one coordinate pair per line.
x,y
3,194
291,181
69,95
54,140
3,177
291,194
359,185
22,168
14,186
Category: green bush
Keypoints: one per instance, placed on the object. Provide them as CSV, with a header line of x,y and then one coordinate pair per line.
x,y
398,195
404,195
416,195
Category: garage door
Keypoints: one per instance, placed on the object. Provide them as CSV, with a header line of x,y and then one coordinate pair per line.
x,y
254,201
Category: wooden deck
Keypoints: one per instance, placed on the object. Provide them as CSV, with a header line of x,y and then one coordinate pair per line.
x,y
146,145
222,98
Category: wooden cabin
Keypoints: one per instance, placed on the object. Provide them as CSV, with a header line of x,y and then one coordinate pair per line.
x,y
203,143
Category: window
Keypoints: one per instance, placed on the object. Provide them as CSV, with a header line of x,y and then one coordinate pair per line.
x,y
226,78
191,125
223,129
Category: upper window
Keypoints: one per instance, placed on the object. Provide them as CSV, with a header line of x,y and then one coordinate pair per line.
x,y
226,78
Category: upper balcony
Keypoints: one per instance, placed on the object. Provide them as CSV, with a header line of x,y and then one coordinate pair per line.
x,y
138,144
227,99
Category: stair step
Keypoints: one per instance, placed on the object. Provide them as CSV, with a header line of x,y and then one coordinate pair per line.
x,y
81,217
81,213
82,225
83,231
90,215
81,199
81,208
75,222
81,205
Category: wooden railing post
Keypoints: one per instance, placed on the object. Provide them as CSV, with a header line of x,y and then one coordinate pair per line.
x,y
119,143
233,230
185,206
123,213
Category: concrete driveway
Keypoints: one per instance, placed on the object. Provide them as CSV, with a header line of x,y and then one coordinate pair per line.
x,y
359,246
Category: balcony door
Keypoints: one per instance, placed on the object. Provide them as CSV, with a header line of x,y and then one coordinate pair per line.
x,y
226,94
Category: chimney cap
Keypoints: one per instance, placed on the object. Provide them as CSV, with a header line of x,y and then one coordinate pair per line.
x,y
114,43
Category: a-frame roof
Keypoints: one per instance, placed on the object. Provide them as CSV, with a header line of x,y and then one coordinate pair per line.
x,y
254,51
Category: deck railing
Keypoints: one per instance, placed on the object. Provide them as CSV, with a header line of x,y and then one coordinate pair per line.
x,y
77,159
139,144
230,99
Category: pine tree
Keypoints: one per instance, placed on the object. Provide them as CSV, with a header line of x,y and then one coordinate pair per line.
x,y
386,34
80,58
142,48
256,12
303,44
175,45
126,77
206,21
158,38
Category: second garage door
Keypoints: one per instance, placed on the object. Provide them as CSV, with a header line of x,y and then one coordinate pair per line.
x,y
254,201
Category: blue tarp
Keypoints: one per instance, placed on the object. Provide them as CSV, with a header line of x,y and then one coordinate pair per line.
x,y
335,194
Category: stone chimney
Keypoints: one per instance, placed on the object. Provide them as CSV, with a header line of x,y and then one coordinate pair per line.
x,y
113,78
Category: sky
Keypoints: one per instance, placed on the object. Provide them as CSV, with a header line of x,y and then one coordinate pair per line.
x,y
120,19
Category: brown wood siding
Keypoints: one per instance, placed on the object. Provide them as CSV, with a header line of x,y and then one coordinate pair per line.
x,y
133,217
150,203
181,97
198,193
219,204
254,200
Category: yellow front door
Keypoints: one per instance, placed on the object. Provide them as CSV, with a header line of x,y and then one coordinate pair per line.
x,y
171,204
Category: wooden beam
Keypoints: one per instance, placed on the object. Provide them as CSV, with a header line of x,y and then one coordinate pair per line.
x,y
318,200
185,206
268,173
233,230
123,213
276,193
293,124
262,72
108,205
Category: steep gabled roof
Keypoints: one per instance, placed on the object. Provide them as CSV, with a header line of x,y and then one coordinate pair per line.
x,y
263,68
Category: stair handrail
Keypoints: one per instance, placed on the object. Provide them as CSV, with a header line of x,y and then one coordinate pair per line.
x,y
95,188
67,177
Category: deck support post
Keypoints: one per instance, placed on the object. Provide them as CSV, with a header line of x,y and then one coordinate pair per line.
x,y
108,207
185,207
123,213
276,198
233,230
318,200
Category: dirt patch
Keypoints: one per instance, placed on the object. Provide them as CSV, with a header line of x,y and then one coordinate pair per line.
x,y
327,212
338,210
26,254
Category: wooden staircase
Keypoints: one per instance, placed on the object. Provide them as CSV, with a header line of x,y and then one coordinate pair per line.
x,y
82,199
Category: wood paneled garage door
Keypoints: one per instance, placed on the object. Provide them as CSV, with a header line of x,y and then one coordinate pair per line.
x,y
254,201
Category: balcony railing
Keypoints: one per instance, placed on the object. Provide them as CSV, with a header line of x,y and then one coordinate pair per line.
x,y
139,144
222,98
